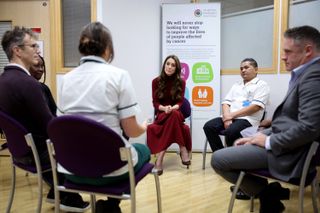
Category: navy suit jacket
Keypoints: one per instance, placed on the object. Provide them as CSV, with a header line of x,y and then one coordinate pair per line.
x,y
295,125
22,98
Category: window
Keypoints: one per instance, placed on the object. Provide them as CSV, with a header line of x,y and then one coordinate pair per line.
x,y
67,22
243,35
75,15
298,16
4,26
236,6
256,27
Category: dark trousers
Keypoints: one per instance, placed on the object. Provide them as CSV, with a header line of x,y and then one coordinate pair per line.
x,y
215,127
47,175
44,160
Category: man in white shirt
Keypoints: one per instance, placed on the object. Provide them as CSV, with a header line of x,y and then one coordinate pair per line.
x,y
242,107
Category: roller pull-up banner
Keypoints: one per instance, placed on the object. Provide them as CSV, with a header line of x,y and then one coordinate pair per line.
x,y
192,32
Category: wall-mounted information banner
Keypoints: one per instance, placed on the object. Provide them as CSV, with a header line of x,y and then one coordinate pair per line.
x,y
192,32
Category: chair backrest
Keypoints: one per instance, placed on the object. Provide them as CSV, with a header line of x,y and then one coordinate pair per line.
x,y
15,135
186,108
85,147
311,162
316,159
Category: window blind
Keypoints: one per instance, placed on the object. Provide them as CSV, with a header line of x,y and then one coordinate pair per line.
x,y
75,15
4,26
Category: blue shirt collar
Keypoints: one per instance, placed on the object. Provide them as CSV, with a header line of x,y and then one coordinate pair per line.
x,y
300,69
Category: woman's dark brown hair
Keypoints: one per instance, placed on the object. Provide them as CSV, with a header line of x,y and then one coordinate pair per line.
x,y
95,39
44,69
177,85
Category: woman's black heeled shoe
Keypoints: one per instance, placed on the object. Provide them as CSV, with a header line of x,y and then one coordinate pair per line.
x,y
186,163
159,171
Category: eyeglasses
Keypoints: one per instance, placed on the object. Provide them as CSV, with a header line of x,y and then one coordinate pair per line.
x,y
34,46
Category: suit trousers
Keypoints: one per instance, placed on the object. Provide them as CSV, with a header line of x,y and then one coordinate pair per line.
x,y
213,129
228,163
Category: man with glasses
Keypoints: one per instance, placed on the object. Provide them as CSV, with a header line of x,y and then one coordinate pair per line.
x,y
21,97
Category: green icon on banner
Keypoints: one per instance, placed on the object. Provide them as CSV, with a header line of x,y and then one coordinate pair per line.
x,y
202,72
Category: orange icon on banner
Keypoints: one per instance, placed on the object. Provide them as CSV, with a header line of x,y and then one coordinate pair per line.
x,y
202,96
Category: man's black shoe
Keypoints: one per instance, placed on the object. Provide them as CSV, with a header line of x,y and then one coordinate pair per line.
x,y
70,202
270,202
279,191
50,196
240,194
4,146
73,203
103,206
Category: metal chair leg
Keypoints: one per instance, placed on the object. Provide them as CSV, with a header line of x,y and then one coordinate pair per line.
x,y
235,190
204,154
252,204
13,186
157,182
39,192
93,203
301,196
314,193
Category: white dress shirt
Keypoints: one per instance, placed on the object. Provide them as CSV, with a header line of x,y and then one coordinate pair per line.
x,y
242,95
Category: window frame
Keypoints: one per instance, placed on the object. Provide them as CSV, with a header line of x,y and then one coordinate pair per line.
x,y
3,54
284,27
57,51
275,46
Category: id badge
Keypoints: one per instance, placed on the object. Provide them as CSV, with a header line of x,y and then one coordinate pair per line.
x,y
246,103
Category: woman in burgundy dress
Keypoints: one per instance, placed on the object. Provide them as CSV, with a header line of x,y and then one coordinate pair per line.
x,y
168,127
